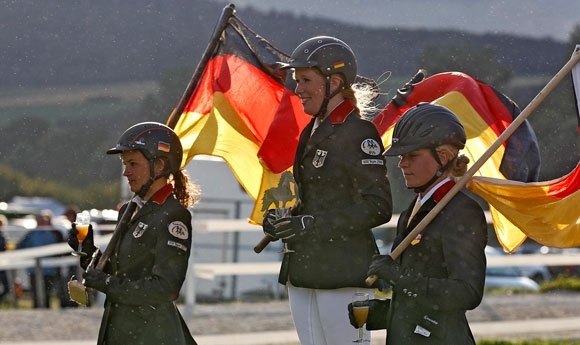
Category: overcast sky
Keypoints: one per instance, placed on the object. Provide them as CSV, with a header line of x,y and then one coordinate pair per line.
x,y
531,18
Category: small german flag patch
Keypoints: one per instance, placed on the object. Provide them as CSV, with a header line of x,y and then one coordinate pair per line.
x,y
339,64
165,147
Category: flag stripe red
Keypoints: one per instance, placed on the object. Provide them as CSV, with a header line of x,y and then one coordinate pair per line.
x,y
566,185
491,109
521,160
261,96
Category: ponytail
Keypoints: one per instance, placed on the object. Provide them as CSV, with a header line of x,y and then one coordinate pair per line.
x,y
187,192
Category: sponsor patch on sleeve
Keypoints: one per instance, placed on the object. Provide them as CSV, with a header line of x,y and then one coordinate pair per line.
x,y
373,162
177,245
370,147
179,230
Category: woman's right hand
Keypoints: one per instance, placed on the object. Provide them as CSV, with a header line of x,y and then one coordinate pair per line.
x,y
88,243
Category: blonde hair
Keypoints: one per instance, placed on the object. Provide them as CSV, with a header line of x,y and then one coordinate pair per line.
x,y
459,166
459,162
362,94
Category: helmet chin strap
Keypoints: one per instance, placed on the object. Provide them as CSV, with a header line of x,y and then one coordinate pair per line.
x,y
145,188
152,178
327,96
437,175
424,187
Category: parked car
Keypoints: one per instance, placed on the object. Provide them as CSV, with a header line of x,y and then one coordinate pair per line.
x,y
530,247
566,270
538,273
509,277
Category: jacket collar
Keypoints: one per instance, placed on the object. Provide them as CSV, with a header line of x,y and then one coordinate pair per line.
x,y
443,190
161,195
158,198
341,112
439,191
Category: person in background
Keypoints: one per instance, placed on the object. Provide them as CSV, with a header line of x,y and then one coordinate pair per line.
x,y
441,274
343,191
4,285
44,234
143,276
71,213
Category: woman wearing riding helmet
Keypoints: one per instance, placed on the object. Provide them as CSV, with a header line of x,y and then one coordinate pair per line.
x,y
343,193
441,274
143,276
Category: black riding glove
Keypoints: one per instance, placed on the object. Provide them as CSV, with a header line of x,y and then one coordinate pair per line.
x,y
268,224
97,279
386,269
88,243
351,313
286,228
377,317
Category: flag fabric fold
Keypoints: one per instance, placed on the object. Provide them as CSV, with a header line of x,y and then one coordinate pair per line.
x,y
485,113
548,211
240,95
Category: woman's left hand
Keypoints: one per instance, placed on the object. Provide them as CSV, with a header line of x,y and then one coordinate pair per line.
x,y
385,268
96,279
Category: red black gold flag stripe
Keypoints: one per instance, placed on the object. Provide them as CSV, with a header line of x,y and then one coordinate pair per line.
x,y
485,113
236,108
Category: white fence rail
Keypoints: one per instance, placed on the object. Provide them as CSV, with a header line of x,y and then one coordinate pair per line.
x,y
39,257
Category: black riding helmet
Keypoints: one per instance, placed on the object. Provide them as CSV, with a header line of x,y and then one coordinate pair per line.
x,y
329,55
154,140
427,126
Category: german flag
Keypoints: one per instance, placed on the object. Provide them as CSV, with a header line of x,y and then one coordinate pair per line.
x,y
546,211
485,113
237,107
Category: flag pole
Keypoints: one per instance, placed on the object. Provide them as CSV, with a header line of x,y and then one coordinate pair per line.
x,y
464,180
221,25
